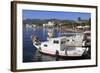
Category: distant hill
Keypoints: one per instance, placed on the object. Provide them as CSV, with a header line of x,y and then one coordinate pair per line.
x,y
39,21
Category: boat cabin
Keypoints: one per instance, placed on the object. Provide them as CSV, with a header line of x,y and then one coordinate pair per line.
x,y
54,43
62,43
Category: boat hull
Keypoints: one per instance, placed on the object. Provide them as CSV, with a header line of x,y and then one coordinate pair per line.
x,y
60,53
64,56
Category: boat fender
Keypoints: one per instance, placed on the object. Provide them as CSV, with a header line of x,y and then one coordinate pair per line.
x,y
83,44
57,52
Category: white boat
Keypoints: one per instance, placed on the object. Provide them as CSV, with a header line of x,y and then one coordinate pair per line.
x,y
67,46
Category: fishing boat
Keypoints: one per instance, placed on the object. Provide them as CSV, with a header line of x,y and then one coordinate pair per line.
x,y
64,46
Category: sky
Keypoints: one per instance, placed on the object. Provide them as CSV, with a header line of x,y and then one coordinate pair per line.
x,y
33,14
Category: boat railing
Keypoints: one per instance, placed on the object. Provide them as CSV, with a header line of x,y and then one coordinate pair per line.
x,y
35,40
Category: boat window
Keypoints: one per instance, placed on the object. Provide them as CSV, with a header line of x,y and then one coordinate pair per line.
x,y
63,42
67,40
45,45
56,41
88,34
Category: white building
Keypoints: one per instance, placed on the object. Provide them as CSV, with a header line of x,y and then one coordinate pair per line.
x,y
49,24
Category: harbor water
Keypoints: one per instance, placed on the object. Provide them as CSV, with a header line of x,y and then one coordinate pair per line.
x,y
31,54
